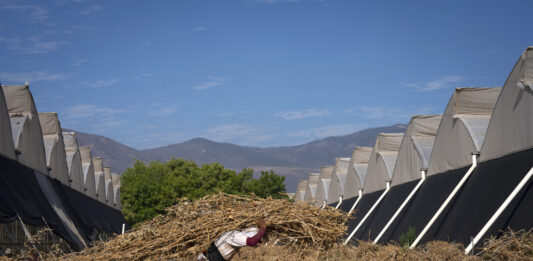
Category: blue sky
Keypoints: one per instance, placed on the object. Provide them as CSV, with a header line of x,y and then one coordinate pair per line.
x,y
253,72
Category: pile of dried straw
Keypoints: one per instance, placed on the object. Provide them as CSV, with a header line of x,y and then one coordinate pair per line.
x,y
191,226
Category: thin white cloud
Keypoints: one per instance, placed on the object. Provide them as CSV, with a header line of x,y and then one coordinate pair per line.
x,y
199,28
92,9
328,131
87,111
35,76
388,114
32,45
79,62
439,83
302,114
162,109
102,83
146,75
211,82
32,11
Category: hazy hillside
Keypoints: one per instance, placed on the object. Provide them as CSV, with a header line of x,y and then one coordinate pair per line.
x,y
294,162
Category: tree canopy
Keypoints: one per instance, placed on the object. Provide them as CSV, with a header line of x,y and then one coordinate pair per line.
x,y
147,189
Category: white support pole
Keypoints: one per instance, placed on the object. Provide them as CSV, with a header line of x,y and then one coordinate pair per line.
x,y
498,212
413,192
123,228
340,202
447,201
356,202
368,213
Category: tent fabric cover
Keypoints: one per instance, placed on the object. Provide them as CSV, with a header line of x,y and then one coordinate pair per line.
x,y
89,183
322,188
109,194
382,161
56,158
355,176
99,179
312,182
7,149
31,196
458,134
483,194
300,191
25,127
505,160
415,150
424,204
338,179
511,126
73,158
364,205
410,160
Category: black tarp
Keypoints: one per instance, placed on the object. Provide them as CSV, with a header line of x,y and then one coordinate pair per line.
x,y
21,191
347,204
95,213
386,209
366,202
69,213
424,204
488,187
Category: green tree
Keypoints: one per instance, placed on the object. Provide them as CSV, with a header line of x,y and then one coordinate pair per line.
x,y
269,184
147,189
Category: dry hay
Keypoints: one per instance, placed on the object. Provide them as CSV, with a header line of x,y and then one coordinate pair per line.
x,y
191,226
510,246
363,251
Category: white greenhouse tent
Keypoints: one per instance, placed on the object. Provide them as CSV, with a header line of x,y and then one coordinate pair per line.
x,y
454,156
7,149
73,158
499,195
310,191
109,194
338,181
99,179
355,178
89,183
409,173
54,147
116,190
377,181
322,187
25,127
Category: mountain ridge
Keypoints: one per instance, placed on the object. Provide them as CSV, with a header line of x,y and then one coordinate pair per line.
x,y
294,162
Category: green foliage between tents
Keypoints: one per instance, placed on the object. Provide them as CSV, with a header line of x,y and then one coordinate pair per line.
x,y
147,190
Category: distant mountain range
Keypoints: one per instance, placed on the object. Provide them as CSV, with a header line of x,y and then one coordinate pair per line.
x,y
294,162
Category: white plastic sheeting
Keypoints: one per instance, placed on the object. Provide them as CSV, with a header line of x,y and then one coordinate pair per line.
x,y
462,128
73,159
382,161
89,185
323,184
25,127
54,147
312,182
338,179
416,147
355,177
7,149
109,194
300,191
116,190
511,126
99,179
